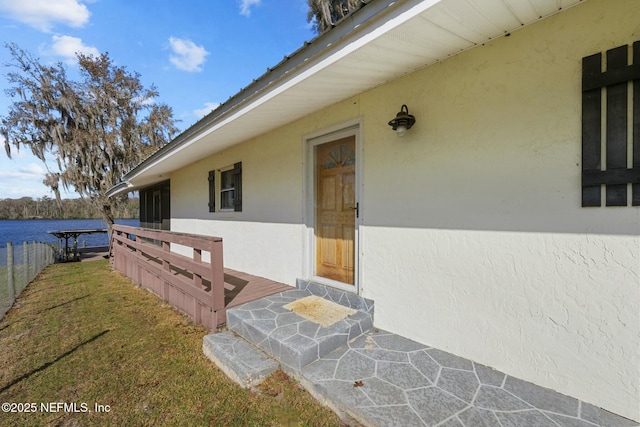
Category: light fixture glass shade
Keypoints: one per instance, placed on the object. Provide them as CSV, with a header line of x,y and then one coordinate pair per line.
x,y
403,121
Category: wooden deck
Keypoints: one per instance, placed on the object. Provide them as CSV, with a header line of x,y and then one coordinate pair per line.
x,y
203,290
240,288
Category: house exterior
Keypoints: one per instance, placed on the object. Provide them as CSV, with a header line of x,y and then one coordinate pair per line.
x,y
503,227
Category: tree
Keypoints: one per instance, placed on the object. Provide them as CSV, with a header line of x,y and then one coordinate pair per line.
x,y
326,13
97,128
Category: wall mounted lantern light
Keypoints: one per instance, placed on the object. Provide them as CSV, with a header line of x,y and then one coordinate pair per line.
x,y
403,121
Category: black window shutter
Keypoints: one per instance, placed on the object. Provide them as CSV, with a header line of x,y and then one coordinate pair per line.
x,y
613,84
212,191
237,186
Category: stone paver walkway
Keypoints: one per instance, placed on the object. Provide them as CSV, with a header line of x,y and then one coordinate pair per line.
x,y
289,338
384,379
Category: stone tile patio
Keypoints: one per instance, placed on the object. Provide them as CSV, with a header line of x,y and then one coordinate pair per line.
x,y
382,379
289,338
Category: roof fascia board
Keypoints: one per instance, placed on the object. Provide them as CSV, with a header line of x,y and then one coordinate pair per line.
x,y
123,187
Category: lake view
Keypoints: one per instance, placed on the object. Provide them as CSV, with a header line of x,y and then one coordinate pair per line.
x,y
17,231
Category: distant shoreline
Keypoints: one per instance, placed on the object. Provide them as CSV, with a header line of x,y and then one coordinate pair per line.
x,y
28,208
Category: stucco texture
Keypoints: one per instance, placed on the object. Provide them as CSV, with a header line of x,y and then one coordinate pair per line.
x,y
478,244
472,237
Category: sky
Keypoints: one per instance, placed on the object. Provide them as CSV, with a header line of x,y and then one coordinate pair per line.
x,y
197,53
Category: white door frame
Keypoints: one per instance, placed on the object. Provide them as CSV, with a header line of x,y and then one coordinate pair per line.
x,y
310,141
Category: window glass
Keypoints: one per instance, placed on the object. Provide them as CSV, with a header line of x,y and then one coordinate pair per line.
x,y
227,190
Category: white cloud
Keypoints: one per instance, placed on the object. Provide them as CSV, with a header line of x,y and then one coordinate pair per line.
x,y
147,101
44,14
67,47
208,107
32,169
25,181
22,175
187,55
245,6
19,175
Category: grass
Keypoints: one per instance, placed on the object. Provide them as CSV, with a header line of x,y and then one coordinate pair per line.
x,y
83,334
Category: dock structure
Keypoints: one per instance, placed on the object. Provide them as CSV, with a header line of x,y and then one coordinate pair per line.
x,y
71,253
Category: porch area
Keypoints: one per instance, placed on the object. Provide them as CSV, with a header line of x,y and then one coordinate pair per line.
x,y
203,290
373,377
367,375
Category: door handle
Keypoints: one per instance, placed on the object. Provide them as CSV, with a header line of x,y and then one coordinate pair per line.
x,y
357,209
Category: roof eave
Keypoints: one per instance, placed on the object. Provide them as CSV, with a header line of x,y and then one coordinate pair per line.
x,y
322,45
430,31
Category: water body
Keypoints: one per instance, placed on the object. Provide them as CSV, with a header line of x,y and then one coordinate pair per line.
x,y
18,231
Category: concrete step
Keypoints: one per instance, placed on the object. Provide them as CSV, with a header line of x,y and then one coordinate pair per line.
x,y
289,338
241,361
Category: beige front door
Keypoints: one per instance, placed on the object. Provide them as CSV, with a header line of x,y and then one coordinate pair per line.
x,y
335,209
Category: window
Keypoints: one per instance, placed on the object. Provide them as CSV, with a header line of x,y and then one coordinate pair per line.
x,y
229,189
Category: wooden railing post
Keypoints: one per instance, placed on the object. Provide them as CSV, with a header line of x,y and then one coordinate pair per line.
x,y
134,264
197,282
166,286
217,279
197,257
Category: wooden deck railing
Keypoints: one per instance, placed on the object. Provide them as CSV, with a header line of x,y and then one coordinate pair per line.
x,y
188,283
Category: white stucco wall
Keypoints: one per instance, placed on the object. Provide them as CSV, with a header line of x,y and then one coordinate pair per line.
x,y
265,238
475,240
472,237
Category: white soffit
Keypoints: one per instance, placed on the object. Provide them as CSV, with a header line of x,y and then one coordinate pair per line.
x,y
406,36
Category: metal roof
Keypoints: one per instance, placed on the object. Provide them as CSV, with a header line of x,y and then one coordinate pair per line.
x,y
378,43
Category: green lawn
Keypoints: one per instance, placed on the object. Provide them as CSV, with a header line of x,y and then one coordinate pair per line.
x,y
83,335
